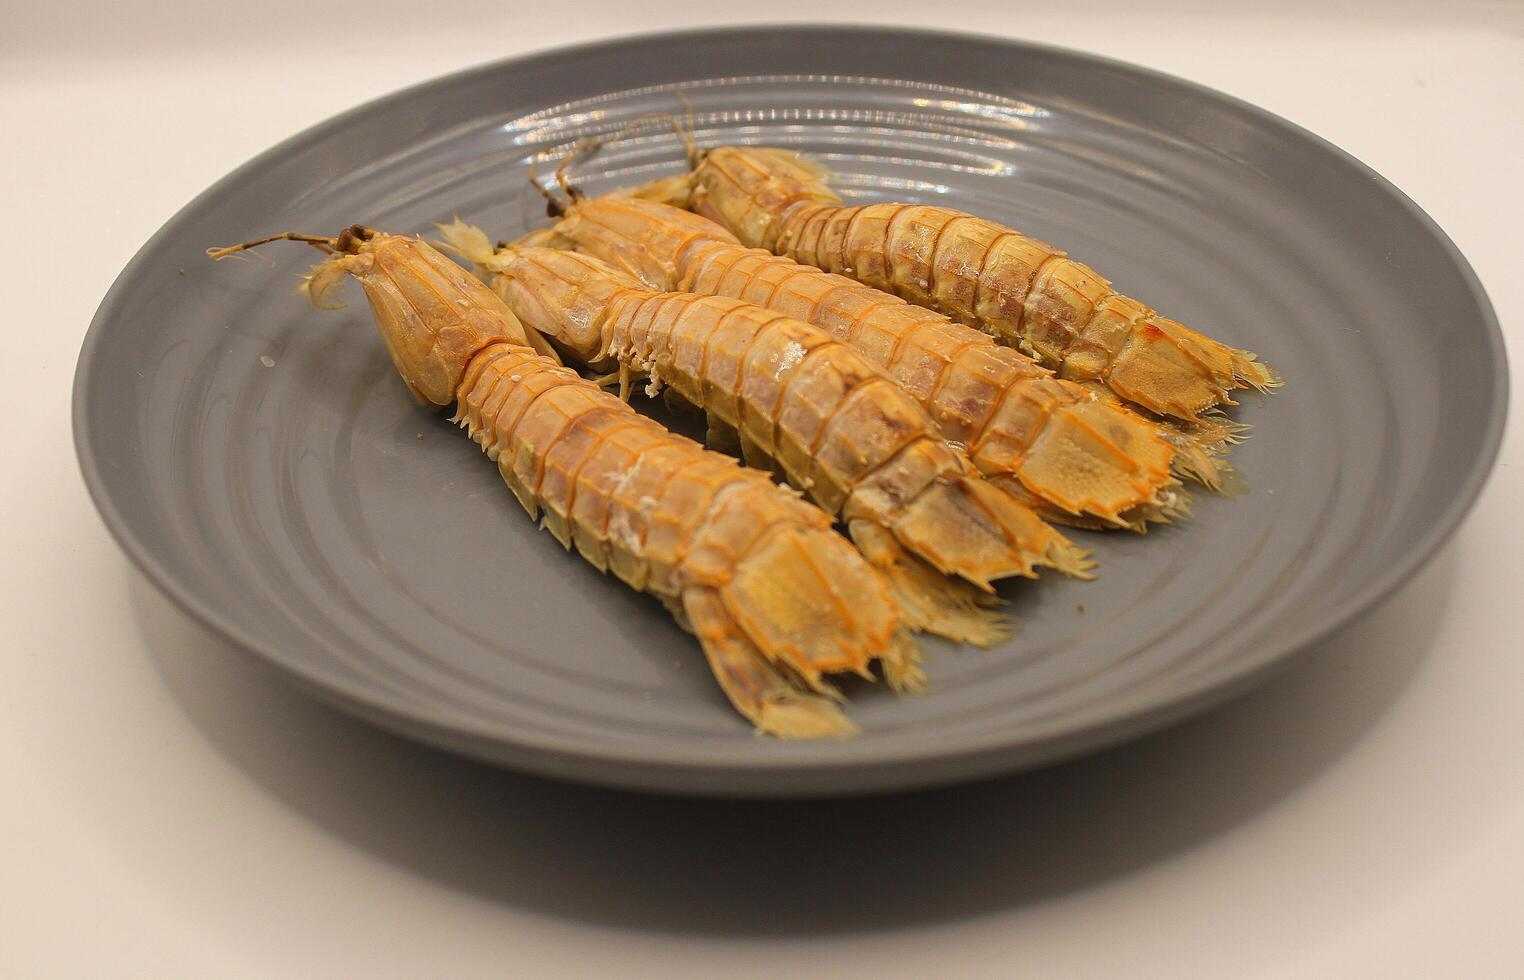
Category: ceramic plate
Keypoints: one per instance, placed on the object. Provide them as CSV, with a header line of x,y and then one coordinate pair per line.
x,y
261,462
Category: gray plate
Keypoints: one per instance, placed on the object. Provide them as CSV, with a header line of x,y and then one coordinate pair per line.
x,y
313,514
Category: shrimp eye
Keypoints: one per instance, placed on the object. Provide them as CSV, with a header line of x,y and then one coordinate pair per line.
x,y
350,237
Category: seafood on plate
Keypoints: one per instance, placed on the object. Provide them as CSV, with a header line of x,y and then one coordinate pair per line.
x,y
789,395
1077,459
777,599
1021,291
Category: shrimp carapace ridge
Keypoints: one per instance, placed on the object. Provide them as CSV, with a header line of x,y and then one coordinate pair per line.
x,y
776,597
788,394
1079,460
1021,291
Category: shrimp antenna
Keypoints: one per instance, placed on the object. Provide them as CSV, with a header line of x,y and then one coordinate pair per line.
x,y
682,128
322,243
686,128
554,206
588,145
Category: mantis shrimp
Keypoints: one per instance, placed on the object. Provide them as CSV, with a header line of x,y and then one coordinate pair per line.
x,y
1021,291
1077,459
791,395
776,598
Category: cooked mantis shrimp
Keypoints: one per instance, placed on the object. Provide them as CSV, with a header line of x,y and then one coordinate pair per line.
x,y
1076,459
776,598
1021,291
789,395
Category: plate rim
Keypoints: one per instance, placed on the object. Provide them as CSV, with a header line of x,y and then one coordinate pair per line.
x,y
1131,713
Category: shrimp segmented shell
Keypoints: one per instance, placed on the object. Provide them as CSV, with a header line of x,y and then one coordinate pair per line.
x,y
793,397
777,599
1021,291
1077,459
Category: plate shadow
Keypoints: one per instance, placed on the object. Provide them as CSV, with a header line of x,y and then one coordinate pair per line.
x,y
783,868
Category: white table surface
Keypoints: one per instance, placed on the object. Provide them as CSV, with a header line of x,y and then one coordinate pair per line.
x,y
169,808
